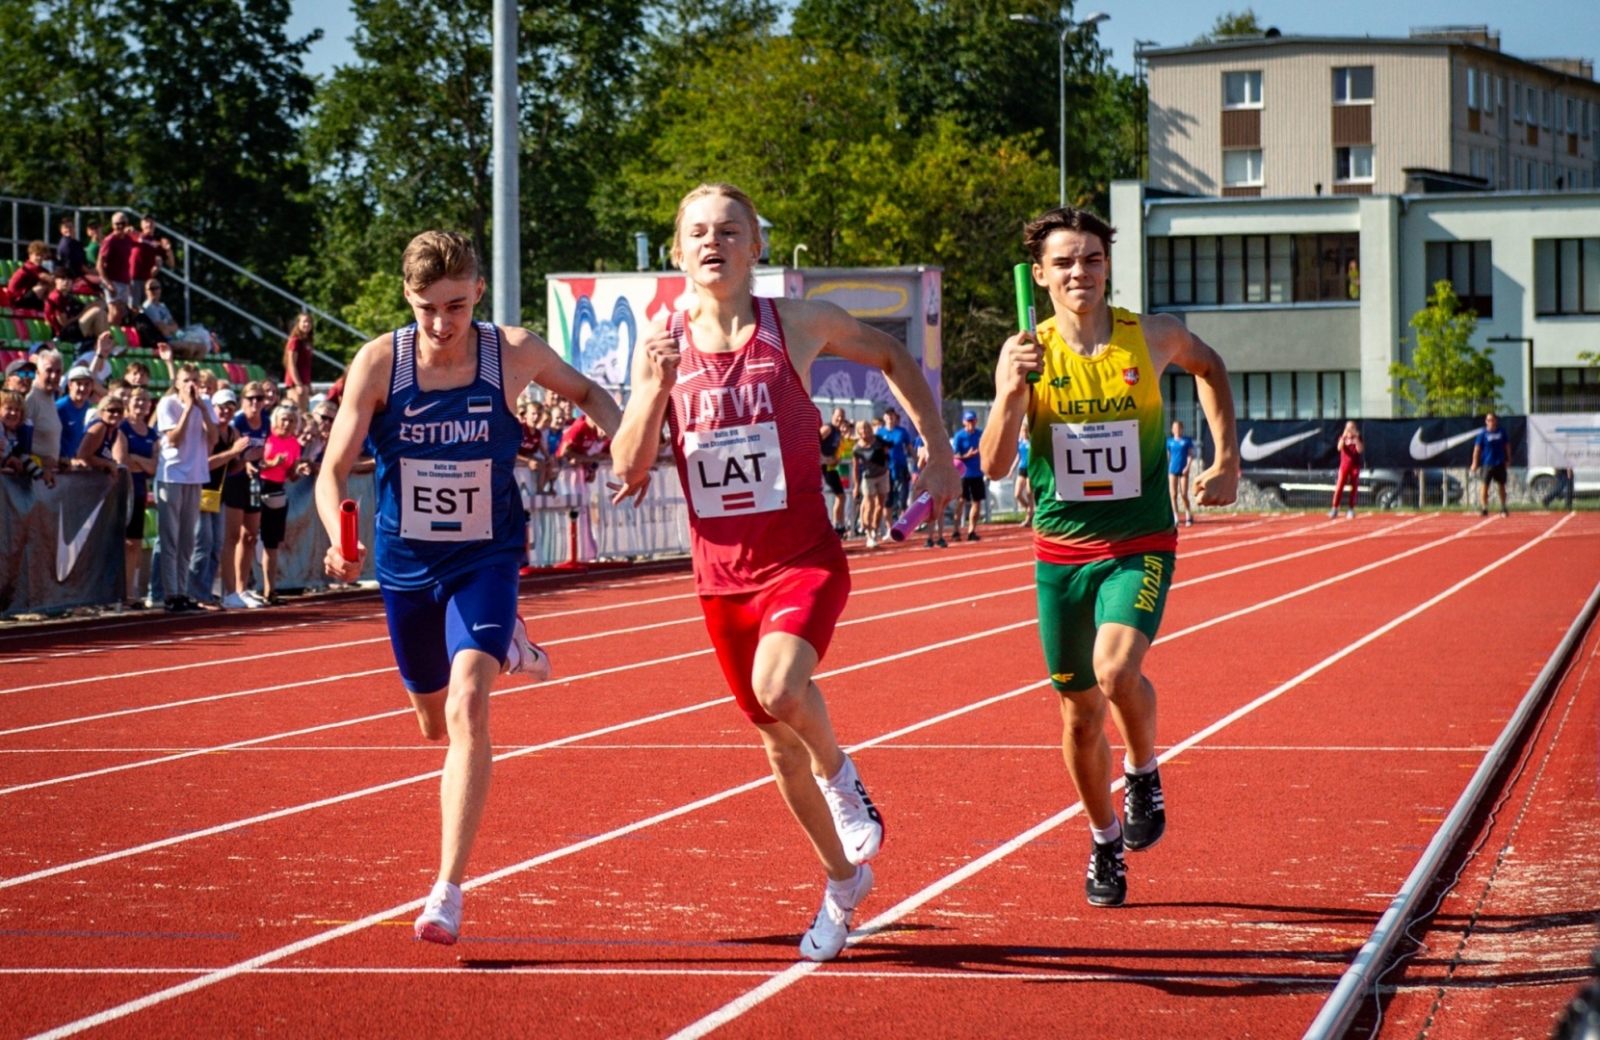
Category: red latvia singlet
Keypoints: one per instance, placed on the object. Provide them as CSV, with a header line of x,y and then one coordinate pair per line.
x,y
744,436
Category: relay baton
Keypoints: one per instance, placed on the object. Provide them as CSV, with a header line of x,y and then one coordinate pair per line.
x,y
350,531
1022,275
915,513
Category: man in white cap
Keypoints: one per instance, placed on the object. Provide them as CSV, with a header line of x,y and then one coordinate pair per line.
x,y
73,409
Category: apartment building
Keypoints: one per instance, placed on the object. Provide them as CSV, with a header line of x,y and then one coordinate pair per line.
x,y
1301,115
1309,300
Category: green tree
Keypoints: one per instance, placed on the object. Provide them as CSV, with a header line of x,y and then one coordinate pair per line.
x,y
1447,374
1233,24
836,167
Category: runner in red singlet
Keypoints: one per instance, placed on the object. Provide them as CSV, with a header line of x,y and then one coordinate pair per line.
x,y
731,377
1350,451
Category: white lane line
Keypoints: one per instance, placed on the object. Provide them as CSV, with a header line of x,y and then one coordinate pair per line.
x,y
1286,535
294,948
313,941
1353,572
468,967
294,810
1324,547
61,683
728,746
78,720
778,983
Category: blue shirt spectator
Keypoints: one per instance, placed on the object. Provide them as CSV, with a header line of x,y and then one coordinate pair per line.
x,y
1180,450
73,409
967,441
898,439
1491,445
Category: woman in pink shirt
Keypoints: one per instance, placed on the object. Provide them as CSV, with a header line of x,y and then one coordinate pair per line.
x,y
280,466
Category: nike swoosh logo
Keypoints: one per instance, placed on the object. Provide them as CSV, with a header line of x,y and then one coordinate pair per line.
x,y
786,610
1250,451
413,413
67,553
1421,449
480,628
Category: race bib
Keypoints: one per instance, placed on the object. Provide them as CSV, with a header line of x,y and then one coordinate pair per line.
x,y
446,500
1096,461
735,470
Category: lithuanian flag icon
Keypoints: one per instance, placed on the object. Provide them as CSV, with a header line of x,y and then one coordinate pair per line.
x,y
1097,487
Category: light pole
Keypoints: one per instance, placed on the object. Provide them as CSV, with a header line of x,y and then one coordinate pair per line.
x,y
1064,27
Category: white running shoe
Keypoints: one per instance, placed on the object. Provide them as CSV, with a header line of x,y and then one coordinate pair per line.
x,y
857,820
524,657
829,931
251,598
234,601
441,915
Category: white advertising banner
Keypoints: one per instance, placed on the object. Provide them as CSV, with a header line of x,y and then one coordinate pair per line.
x,y
1565,440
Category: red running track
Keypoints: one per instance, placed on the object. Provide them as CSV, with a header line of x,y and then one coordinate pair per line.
x,y
182,854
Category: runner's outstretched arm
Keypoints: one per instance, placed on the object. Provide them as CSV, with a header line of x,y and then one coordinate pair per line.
x,y
531,360
829,329
997,449
363,393
1172,343
637,442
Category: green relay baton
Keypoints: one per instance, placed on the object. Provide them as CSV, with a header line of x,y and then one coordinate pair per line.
x,y
1022,275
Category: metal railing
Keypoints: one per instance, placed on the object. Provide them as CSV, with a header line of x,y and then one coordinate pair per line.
x,y
186,248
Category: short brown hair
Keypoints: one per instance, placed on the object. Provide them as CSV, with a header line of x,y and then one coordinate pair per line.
x,y
1066,218
434,256
13,397
700,191
37,248
137,366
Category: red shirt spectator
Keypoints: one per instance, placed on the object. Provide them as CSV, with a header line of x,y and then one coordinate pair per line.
x,y
144,258
582,444
24,278
116,255
62,307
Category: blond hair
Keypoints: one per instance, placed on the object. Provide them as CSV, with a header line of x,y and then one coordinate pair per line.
x,y
286,411
435,256
727,191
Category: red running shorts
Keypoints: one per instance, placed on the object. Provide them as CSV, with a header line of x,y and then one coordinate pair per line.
x,y
805,602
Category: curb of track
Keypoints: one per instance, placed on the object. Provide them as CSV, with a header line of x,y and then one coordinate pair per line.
x,y
1341,1007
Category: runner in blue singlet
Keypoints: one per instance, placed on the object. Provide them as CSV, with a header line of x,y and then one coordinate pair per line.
x,y
435,403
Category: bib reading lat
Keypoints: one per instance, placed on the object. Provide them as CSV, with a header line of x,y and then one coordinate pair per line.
x,y
735,470
1096,461
445,500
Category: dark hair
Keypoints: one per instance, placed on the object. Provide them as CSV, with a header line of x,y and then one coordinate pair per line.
x,y
1067,218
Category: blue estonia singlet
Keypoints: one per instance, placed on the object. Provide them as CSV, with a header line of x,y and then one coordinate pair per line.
x,y
447,500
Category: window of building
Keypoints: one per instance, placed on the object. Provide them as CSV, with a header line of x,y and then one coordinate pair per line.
x,y
1219,270
1241,167
1241,90
1473,167
1572,116
1488,167
1547,105
1566,276
1499,93
1566,389
1469,268
1516,101
1353,163
1296,395
1352,85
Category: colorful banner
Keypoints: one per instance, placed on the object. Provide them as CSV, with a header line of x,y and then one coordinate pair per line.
x,y
1564,441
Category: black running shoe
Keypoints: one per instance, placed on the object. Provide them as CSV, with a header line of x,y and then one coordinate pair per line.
x,y
1144,811
1106,884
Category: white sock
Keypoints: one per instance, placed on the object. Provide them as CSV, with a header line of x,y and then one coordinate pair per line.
x,y
1148,767
847,886
1111,833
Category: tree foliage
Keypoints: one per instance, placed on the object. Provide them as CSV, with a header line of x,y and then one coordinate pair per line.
x,y
1233,24
1447,374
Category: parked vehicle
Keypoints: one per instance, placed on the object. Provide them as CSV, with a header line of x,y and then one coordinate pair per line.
x,y
1542,482
1380,488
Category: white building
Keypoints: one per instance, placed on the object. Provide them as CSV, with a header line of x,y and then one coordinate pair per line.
x,y
1309,298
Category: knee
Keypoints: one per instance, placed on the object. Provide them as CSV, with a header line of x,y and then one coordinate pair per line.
x,y
467,711
433,725
778,697
247,538
1118,679
1084,724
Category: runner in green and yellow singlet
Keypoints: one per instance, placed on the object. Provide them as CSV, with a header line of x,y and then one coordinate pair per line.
x,y
1104,535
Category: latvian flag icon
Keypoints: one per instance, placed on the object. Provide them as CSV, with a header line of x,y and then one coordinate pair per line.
x,y
1096,488
747,499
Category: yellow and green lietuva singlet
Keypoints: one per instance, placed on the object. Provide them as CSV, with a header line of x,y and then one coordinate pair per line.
x,y
1097,457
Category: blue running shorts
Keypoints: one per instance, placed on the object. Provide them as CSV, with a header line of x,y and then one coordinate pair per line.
x,y
427,627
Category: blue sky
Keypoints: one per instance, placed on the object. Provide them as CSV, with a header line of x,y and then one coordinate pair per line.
x,y
1551,28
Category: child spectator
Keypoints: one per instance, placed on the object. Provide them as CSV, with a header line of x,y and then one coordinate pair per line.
x,y
280,466
137,375
30,283
140,458
16,440
62,307
297,361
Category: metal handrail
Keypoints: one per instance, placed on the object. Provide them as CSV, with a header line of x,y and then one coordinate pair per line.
x,y
184,279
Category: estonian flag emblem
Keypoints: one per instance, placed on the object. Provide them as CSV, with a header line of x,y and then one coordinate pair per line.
x,y
480,404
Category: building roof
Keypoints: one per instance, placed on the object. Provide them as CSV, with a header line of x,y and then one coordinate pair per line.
x,y
1421,42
